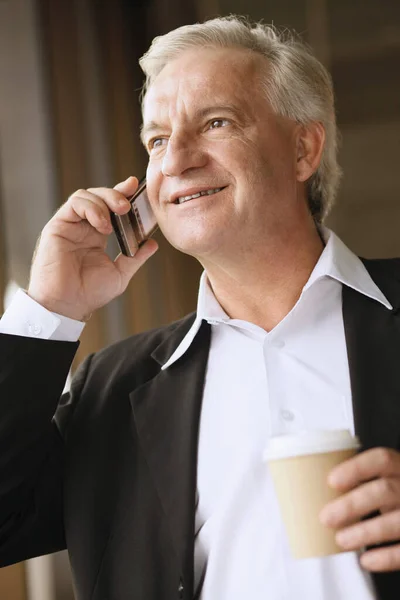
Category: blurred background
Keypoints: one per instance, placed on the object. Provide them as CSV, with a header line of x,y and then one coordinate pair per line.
x,y
70,118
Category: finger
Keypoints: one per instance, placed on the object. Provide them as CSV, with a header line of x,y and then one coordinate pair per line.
x,y
105,199
127,187
377,462
114,200
73,216
366,498
128,266
381,559
98,200
373,531
79,208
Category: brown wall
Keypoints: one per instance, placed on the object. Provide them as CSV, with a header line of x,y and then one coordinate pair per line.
x,y
12,583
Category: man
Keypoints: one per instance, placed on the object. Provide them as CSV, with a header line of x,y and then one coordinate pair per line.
x,y
151,471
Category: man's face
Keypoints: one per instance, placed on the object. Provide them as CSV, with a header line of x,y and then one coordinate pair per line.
x,y
209,130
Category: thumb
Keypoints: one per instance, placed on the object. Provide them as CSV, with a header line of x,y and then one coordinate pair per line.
x,y
127,266
127,187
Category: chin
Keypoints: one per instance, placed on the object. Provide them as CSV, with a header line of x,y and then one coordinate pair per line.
x,y
201,244
197,250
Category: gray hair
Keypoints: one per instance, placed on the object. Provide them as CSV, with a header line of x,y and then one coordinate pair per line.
x,y
297,85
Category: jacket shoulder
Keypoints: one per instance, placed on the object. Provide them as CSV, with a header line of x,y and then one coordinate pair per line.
x,y
388,266
134,352
386,274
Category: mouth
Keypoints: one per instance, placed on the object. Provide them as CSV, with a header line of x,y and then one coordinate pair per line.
x,y
183,199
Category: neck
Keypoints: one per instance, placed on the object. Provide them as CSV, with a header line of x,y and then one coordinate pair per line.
x,y
263,286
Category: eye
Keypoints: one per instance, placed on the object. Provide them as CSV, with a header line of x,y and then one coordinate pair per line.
x,y
218,123
156,143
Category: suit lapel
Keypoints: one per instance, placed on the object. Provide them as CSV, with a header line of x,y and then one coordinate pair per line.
x,y
167,412
373,346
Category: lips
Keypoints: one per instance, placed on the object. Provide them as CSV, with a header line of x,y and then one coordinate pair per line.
x,y
192,194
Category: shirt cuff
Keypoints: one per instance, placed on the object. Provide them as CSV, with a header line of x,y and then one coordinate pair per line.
x,y
27,318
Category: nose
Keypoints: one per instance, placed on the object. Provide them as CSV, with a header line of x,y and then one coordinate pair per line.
x,y
181,155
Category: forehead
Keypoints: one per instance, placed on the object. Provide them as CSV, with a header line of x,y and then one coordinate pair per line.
x,y
201,76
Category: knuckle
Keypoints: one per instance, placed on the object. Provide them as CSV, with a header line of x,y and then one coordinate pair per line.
x,y
392,487
382,487
357,468
115,195
104,194
75,200
385,456
367,534
79,192
373,529
385,487
393,558
345,508
349,503
356,503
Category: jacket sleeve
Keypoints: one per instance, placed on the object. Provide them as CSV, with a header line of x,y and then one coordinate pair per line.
x,y
32,376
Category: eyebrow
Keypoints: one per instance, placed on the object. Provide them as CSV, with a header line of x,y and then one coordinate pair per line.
x,y
152,126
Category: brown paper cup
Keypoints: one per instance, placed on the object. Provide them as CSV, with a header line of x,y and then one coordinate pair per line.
x,y
300,482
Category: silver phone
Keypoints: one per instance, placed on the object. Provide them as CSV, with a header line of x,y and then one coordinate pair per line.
x,y
136,226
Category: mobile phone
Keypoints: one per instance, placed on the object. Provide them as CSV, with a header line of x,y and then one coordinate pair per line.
x,y
136,226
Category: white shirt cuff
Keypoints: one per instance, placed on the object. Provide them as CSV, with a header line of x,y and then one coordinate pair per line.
x,y
27,318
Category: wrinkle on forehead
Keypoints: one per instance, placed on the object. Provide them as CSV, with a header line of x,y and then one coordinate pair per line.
x,y
199,77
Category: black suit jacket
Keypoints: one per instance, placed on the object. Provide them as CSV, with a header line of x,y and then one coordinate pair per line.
x,y
112,476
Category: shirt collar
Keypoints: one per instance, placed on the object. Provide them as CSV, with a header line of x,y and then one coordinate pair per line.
x,y
209,309
336,261
339,262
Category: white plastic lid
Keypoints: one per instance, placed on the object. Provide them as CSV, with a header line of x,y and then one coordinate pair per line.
x,y
310,442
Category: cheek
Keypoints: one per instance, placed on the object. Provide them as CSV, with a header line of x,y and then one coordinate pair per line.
x,y
234,155
245,153
153,184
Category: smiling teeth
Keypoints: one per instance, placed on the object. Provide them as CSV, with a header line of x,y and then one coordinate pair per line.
x,y
206,193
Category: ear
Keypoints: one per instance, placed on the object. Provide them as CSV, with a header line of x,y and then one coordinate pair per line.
x,y
310,144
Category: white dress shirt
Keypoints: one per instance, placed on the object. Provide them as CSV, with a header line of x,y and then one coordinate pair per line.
x,y
259,384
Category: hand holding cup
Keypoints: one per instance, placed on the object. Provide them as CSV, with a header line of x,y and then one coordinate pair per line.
x,y
299,465
367,483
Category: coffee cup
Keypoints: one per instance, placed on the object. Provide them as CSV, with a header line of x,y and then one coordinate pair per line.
x,y
299,465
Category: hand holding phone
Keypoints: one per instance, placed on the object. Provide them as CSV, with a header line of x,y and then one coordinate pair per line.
x,y
135,227
71,272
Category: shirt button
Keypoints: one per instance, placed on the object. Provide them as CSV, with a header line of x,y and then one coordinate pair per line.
x,y
287,415
33,328
180,589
